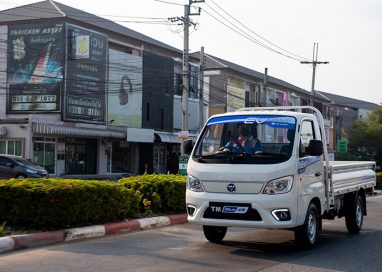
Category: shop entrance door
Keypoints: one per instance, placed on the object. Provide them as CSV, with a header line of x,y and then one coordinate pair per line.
x,y
80,156
44,153
159,159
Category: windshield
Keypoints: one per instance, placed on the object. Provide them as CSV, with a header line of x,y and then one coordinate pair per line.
x,y
25,162
254,139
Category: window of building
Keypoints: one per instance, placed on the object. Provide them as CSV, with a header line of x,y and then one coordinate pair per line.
x,y
11,147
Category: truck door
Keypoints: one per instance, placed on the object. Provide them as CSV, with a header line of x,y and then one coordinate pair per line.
x,y
310,169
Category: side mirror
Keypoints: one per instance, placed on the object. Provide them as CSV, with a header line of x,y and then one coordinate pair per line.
x,y
188,145
315,148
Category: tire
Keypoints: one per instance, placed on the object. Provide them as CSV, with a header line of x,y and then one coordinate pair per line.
x,y
307,234
214,234
354,215
21,176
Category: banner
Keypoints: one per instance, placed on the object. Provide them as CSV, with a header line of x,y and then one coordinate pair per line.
x,y
35,67
125,89
85,75
235,94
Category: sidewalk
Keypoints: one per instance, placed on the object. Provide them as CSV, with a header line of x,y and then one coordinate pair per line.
x,y
15,242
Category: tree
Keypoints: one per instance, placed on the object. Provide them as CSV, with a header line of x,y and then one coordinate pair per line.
x,y
366,134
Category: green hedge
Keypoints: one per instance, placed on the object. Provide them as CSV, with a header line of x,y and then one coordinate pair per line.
x,y
59,203
379,181
160,193
48,204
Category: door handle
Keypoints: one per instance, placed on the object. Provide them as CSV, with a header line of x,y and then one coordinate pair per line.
x,y
318,174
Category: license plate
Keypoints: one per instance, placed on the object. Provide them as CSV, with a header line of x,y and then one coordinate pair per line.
x,y
229,208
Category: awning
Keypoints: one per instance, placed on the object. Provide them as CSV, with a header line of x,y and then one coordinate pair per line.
x,y
48,129
166,137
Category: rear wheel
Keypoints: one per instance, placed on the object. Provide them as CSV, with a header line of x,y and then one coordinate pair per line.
x,y
306,235
354,215
214,234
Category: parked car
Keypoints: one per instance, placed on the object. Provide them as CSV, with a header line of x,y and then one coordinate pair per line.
x,y
17,167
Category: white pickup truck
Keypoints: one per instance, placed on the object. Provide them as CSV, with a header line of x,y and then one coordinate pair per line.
x,y
278,177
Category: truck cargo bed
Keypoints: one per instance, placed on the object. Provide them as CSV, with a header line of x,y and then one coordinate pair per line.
x,y
349,176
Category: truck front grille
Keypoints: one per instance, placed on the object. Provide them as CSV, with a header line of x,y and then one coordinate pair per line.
x,y
252,215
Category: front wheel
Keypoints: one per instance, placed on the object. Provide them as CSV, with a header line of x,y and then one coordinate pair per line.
x,y
214,234
306,235
354,215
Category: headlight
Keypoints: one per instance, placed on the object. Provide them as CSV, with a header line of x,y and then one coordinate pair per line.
x,y
278,186
32,171
194,184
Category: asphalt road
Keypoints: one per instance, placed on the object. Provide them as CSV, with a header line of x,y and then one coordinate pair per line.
x,y
184,248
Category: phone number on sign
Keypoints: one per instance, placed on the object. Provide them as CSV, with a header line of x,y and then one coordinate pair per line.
x,y
84,111
34,98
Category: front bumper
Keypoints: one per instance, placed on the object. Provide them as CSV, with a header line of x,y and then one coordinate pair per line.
x,y
263,204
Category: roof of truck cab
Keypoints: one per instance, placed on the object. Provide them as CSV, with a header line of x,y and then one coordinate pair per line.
x,y
265,112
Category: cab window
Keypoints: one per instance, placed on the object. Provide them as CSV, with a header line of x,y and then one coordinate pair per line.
x,y
306,134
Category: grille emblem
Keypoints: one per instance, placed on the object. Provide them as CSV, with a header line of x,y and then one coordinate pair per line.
x,y
231,187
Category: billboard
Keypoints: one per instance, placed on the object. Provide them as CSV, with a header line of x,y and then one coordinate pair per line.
x,y
85,75
125,89
35,67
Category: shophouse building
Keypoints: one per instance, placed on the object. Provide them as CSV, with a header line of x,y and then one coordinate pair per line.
x,y
229,86
82,95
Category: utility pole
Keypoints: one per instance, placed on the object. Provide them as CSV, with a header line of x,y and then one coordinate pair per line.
x,y
186,73
265,83
264,98
314,62
201,90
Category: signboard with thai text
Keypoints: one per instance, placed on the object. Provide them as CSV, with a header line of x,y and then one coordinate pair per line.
x,y
35,67
85,75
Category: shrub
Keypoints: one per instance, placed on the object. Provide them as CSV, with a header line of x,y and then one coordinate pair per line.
x,y
379,181
61,203
160,193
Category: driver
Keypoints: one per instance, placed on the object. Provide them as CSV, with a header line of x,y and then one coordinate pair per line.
x,y
245,142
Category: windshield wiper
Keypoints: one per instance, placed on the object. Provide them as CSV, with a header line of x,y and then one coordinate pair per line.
x,y
225,152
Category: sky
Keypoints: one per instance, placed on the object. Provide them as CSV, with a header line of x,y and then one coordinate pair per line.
x,y
348,33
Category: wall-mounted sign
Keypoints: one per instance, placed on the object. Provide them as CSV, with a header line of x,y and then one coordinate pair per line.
x,y
342,146
184,134
85,75
125,89
35,67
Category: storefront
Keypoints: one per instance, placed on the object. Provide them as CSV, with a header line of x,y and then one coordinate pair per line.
x,y
64,150
166,151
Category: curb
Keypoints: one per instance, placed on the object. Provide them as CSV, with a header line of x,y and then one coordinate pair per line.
x,y
15,242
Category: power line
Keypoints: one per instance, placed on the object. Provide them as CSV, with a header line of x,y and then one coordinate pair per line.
x,y
253,32
250,38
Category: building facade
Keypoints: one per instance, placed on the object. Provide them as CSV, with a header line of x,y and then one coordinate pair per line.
x,y
85,96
